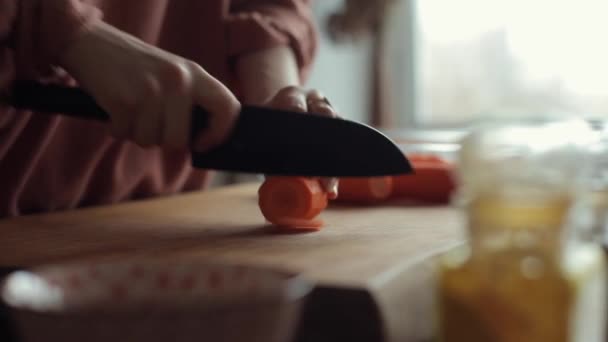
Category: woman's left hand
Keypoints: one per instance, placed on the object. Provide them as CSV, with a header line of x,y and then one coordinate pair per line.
x,y
298,99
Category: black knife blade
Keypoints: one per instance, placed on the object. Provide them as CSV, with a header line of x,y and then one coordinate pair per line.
x,y
264,141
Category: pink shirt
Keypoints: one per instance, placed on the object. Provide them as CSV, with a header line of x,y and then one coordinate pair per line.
x,y
52,163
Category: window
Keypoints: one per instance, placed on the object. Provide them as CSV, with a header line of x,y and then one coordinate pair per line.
x,y
470,59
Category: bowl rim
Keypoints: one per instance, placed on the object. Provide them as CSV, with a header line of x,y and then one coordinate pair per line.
x,y
293,287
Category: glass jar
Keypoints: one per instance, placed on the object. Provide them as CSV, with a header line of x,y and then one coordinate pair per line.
x,y
526,272
593,189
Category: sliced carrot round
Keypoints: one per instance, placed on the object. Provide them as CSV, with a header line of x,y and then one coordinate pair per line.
x,y
296,198
365,189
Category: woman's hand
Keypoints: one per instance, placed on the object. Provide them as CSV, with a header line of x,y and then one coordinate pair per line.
x,y
298,99
149,93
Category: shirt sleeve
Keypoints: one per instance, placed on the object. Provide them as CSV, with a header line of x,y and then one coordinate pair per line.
x,y
260,24
34,32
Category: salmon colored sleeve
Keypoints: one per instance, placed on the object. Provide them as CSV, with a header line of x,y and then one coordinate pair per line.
x,y
33,33
260,24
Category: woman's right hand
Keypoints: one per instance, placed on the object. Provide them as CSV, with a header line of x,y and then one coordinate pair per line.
x,y
148,92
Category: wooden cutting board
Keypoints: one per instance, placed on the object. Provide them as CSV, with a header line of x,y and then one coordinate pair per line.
x,y
373,265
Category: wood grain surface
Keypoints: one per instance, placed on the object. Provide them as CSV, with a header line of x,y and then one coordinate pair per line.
x,y
383,253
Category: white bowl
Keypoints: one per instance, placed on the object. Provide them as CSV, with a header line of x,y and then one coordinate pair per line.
x,y
154,301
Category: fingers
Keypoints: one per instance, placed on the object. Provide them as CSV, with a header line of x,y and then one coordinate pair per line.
x,y
149,92
290,98
331,186
298,100
164,110
319,104
222,105
178,111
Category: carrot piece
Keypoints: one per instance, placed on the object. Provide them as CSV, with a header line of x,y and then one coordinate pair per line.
x,y
365,189
432,180
287,201
298,224
425,158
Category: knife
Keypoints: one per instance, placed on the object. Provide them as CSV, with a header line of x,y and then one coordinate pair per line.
x,y
264,141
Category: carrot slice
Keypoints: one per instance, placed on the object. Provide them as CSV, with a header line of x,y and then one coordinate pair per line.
x,y
291,200
425,158
365,189
432,180
298,224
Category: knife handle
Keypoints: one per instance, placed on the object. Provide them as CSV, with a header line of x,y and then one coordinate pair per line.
x,y
75,102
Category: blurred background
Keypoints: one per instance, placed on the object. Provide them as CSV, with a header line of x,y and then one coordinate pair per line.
x,y
451,62
411,65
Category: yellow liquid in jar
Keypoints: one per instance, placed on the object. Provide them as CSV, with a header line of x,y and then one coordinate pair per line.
x,y
519,298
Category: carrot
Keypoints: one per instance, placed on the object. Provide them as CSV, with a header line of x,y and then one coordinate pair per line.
x,y
294,223
292,202
425,158
365,189
432,180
